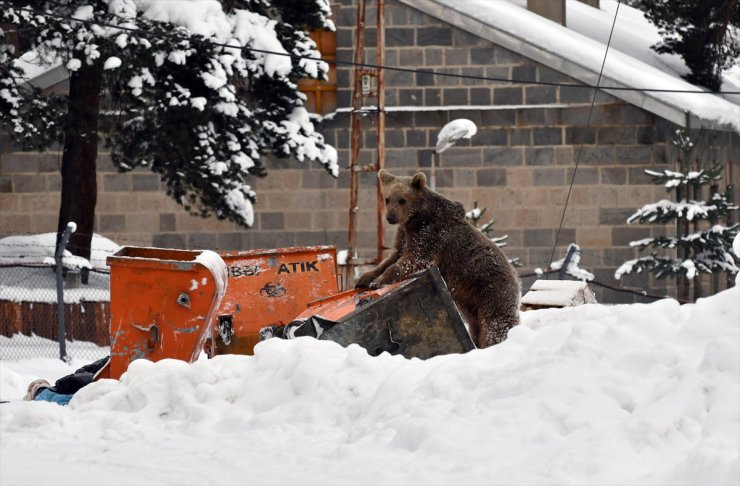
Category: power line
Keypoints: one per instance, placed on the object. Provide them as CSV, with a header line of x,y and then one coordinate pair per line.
x,y
367,65
588,122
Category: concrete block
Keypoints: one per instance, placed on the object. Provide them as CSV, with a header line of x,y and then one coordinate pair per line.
x,y
567,94
433,36
398,37
530,116
169,240
538,237
456,56
638,176
524,73
145,182
480,96
19,163
271,220
505,118
487,137
461,38
539,156
483,56
597,155
613,175
520,136
547,136
455,96
508,96
433,57
167,222
109,223
503,156
549,177
635,154
565,155
621,236
6,183
53,182
540,95
491,177
416,138
580,135
116,182
29,183
617,135
425,79
584,175
462,157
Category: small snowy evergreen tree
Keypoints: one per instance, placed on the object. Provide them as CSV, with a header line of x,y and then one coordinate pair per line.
x,y
708,248
474,216
197,95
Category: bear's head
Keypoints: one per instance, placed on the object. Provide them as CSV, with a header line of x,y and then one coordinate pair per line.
x,y
401,195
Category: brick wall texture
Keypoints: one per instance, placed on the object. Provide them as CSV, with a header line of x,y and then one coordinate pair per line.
x,y
518,166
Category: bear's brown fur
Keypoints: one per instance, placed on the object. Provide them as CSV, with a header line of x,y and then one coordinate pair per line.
x,y
433,231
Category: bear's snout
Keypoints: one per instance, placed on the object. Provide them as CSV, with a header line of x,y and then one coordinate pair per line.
x,y
391,218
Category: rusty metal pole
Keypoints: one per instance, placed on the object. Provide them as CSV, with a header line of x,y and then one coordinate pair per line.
x,y
355,140
362,86
380,163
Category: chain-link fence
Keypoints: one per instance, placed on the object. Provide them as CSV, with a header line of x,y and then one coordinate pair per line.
x,y
30,325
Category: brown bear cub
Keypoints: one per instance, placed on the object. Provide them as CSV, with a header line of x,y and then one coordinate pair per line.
x,y
433,231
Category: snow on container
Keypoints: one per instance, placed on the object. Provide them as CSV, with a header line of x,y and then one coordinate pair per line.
x,y
557,293
270,287
162,304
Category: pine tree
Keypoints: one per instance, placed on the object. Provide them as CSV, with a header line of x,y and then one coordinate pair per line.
x,y
474,216
194,96
706,249
703,32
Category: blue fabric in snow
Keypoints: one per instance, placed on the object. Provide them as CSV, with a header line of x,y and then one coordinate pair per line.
x,y
48,395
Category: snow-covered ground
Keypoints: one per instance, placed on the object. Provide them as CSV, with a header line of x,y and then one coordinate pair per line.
x,y
630,394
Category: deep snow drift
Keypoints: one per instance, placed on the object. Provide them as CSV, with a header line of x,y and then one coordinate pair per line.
x,y
643,393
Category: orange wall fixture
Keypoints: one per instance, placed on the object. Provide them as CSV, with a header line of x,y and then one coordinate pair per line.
x,y
269,287
163,304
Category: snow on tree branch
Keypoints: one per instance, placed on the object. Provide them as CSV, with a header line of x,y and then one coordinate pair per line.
x,y
187,95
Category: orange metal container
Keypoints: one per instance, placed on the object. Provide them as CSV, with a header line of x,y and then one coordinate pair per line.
x,y
162,303
269,287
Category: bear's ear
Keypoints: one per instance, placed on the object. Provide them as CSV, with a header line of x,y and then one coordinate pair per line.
x,y
419,180
385,176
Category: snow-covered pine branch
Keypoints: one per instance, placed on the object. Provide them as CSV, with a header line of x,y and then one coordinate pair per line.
x,y
665,211
672,179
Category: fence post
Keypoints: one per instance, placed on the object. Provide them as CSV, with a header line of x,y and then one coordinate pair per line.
x,y
61,329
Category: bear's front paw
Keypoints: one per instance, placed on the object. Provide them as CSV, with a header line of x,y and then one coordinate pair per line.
x,y
364,281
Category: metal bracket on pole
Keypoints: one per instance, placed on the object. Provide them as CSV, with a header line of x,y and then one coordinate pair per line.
x,y
61,329
566,262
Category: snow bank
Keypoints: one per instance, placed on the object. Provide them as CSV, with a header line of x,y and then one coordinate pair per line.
x,y
40,248
643,393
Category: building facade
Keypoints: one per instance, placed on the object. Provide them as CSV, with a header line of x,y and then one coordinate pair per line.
x,y
518,166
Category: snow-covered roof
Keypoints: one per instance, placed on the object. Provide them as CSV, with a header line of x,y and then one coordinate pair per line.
x,y
578,51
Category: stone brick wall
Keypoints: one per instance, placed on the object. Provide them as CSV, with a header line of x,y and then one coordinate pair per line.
x,y
519,165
